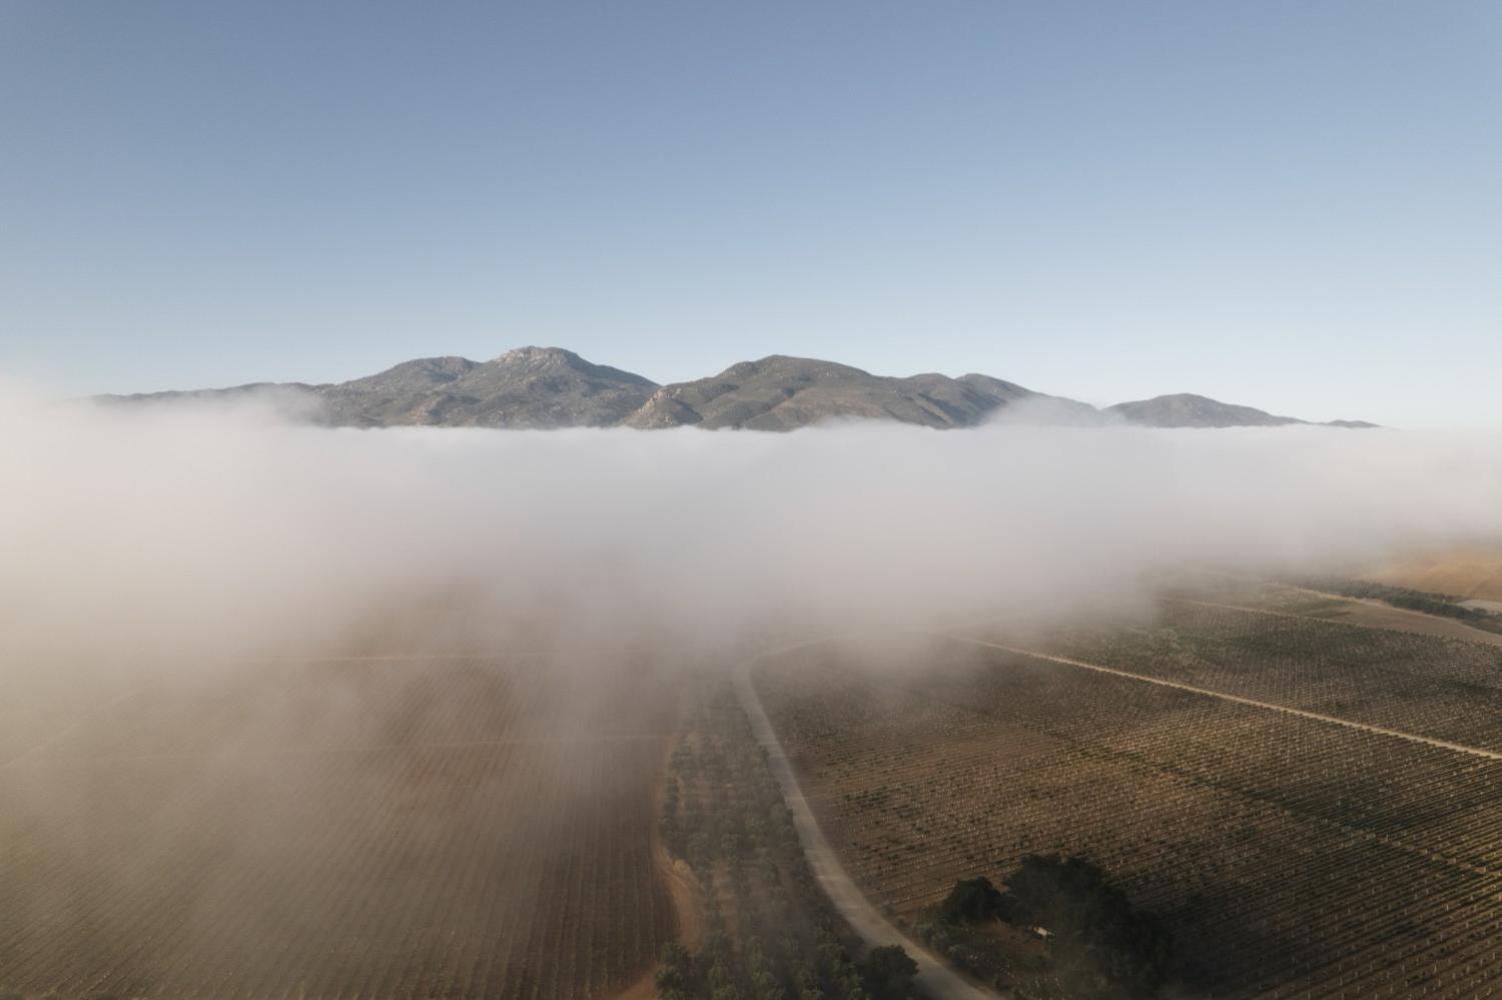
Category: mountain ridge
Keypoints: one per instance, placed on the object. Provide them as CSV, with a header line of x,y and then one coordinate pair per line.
x,y
543,388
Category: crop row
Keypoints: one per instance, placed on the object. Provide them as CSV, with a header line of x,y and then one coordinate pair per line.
x,y
432,829
1448,689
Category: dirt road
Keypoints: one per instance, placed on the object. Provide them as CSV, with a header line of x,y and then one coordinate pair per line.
x,y
1208,693
935,978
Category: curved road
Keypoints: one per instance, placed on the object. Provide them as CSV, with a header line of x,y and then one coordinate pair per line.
x,y
935,978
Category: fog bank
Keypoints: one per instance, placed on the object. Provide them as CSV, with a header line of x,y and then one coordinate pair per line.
x,y
200,533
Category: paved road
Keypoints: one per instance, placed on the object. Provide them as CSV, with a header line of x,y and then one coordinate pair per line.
x,y
1269,706
935,978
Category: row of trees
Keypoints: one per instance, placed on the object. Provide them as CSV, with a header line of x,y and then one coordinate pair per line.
x,y
771,933
1447,605
721,971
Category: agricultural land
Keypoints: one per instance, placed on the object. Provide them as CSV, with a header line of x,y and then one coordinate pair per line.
x,y
1310,806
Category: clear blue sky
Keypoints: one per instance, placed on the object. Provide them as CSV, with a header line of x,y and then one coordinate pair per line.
x,y
1296,205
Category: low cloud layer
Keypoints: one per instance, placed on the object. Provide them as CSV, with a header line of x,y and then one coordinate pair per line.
x,y
195,533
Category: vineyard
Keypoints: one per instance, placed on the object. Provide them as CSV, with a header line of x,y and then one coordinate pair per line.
x,y
1448,689
375,829
1288,855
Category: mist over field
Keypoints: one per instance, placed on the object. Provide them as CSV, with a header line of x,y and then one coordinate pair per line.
x,y
247,663
192,534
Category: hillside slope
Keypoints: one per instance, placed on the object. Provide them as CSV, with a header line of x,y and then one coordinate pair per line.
x,y
1185,409
780,393
548,387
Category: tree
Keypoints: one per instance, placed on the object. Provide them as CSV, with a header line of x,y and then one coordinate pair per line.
x,y
971,901
887,973
675,974
1097,933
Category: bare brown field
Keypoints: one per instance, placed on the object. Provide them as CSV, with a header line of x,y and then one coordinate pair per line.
x,y
431,828
1287,855
1471,573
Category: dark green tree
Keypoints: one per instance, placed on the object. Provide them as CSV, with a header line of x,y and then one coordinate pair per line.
x,y
1097,933
887,973
971,901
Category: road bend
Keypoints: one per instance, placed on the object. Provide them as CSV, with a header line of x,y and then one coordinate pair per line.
x,y
936,979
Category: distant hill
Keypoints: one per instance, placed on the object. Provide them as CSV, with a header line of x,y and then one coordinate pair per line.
x,y
548,387
1188,410
530,387
780,393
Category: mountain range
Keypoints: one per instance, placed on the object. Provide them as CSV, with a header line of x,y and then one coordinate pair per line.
x,y
548,387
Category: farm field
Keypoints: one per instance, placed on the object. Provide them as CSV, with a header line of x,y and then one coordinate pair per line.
x,y
1288,855
1376,613
1435,686
1473,572
428,828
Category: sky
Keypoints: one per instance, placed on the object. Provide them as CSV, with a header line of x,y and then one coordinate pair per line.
x,y
1287,204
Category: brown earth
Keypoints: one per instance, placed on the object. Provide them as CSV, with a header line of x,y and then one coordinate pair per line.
x,y
683,889
1470,572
